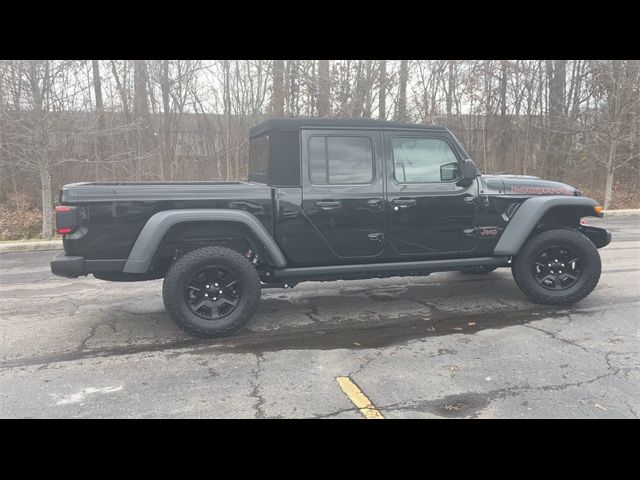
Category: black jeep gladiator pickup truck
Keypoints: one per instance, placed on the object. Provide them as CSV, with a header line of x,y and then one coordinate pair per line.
x,y
329,199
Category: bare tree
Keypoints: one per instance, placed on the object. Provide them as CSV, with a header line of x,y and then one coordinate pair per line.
x,y
401,109
617,86
382,85
278,88
324,88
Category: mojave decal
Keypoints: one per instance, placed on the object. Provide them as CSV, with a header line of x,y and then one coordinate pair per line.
x,y
531,190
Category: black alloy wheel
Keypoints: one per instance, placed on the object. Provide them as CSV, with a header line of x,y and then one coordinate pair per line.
x,y
557,268
213,292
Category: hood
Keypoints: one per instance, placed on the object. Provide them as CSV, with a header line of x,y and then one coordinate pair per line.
x,y
526,185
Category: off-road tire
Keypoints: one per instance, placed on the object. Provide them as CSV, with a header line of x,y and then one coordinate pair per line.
x,y
175,283
590,265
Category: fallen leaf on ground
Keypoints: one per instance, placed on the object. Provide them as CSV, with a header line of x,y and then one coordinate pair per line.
x,y
600,407
471,323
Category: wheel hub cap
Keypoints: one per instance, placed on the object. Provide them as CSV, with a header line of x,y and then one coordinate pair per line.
x,y
212,293
557,268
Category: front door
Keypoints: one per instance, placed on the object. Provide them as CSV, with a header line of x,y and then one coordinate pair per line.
x,y
343,186
427,213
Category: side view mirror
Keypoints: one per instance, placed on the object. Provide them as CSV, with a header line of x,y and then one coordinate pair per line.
x,y
469,173
449,171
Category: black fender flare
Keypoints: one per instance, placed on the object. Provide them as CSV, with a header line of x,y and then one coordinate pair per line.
x,y
158,225
529,215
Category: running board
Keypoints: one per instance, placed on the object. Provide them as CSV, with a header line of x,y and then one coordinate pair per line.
x,y
399,267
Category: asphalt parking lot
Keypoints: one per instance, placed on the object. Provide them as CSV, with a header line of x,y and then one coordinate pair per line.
x,y
448,345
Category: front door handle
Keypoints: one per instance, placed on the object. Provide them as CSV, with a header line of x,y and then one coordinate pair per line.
x,y
328,204
375,202
403,203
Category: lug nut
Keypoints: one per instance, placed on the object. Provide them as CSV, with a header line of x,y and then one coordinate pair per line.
x,y
220,292
206,294
215,284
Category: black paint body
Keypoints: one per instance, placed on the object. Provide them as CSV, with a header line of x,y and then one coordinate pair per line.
x,y
318,225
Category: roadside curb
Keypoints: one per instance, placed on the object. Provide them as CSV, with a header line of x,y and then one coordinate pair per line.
x,y
15,247
615,213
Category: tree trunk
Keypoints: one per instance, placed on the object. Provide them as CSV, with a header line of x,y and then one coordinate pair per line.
x,y
504,127
324,88
401,112
47,207
167,151
97,87
278,88
450,87
382,102
608,189
556,71
39,86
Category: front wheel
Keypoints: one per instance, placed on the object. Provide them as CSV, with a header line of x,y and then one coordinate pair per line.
x,y
211,292
557,267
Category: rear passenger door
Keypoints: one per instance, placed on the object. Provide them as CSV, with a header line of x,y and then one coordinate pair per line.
x,y
342,192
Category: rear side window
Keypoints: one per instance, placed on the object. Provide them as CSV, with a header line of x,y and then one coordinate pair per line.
x,y
423,160
259,155
340,160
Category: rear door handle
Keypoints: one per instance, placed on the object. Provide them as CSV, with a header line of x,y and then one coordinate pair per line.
x,y
404,202
328,204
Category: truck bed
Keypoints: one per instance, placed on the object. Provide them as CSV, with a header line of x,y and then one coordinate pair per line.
x,y
126,207
75,193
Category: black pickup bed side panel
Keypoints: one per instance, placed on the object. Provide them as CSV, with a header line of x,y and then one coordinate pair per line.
x,y
158,225
116,213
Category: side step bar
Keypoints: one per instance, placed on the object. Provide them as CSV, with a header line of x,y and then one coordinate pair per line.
x,y
399,267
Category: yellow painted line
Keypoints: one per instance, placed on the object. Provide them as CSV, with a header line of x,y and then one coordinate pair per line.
x,y
358,398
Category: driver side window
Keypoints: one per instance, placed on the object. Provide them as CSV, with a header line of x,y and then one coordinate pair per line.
x,y
423,160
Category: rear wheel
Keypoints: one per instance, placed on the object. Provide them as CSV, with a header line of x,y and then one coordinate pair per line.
x,y
557,267
211,292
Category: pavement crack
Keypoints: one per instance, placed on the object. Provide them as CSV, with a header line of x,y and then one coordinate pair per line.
x,y
337,412
555,336
83,344
313,313
255,387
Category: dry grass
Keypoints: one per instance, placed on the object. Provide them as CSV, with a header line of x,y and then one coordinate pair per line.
x,y
19,219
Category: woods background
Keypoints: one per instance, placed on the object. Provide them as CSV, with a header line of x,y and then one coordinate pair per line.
x,y
576,121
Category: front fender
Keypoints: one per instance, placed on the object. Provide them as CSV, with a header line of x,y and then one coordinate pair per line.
x,y
529,214
159,224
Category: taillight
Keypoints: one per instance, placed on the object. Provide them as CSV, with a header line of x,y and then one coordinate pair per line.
x,y
66,219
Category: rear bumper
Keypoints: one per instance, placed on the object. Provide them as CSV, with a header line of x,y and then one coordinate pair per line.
x,y
66,266
69,266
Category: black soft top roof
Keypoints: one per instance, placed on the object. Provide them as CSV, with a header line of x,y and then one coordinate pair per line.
x,y
293,124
